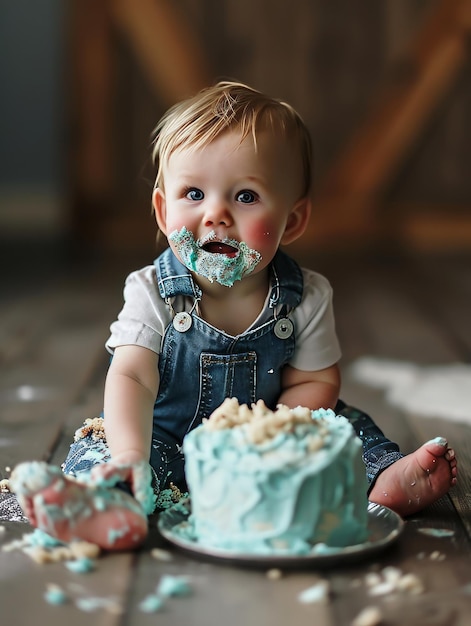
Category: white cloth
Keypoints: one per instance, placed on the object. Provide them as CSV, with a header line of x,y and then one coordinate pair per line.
x,y
442,391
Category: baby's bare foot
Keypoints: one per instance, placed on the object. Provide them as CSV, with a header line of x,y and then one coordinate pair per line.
x,y
418,479
67,509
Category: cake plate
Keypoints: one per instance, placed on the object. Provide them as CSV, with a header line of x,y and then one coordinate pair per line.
x,y
384,528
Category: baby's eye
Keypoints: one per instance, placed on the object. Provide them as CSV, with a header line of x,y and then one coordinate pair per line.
x,y
194,194
246,196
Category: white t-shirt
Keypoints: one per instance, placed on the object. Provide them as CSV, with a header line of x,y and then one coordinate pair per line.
x,y
145,316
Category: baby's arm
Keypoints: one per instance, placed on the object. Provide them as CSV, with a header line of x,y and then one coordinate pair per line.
x,y
130,391
315,390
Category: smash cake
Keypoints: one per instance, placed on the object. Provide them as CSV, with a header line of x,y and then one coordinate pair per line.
x,y
282,482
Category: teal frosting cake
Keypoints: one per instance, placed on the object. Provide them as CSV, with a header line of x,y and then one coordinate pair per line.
x,y
288,481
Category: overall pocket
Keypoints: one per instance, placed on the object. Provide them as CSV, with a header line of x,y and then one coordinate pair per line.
x,y
226,376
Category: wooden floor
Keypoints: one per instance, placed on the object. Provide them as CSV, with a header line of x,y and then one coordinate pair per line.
x,y
55,310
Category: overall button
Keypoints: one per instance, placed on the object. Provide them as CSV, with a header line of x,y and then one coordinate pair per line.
x,y
283,328
182,322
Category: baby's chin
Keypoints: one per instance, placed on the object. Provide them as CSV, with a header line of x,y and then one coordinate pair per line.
x,y
220,268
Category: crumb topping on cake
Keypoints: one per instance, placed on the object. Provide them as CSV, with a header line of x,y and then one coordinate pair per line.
x,y
261,424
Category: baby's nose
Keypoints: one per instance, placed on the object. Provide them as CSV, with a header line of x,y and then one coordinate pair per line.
x,y
218,213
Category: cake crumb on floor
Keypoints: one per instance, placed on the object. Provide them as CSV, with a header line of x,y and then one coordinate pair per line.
x,y
369,616
161,555
42,548
318,593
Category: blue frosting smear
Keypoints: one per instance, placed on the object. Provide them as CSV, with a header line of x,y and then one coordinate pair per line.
x,y
225,270
302,488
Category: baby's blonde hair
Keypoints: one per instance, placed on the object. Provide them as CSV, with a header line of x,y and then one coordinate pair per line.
x,y
195,122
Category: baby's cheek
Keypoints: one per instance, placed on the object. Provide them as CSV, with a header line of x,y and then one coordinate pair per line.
x,y
177,223
261,235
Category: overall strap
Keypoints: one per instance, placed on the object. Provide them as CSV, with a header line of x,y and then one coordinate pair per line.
x,y
173,278
287,282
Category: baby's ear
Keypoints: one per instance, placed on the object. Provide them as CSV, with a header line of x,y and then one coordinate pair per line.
x,y
297,221
160,209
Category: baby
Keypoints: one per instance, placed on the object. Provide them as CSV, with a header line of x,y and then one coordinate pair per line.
x,y
223,312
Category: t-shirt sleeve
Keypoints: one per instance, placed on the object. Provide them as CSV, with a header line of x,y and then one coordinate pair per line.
x,y
317,345
144,316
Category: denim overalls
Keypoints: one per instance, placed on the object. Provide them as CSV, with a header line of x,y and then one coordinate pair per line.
x,y
200,366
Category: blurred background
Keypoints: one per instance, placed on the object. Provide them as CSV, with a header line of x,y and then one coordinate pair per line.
x,y
384,86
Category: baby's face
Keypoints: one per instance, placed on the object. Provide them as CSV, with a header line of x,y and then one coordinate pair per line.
x,y
231,197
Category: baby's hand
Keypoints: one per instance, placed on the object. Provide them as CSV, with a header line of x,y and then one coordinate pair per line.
x,y
137,474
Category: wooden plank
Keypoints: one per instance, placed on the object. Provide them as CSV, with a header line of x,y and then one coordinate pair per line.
x,y
442,599
440,286
22,578
90,104
432,231
164,45
346,197
414,228
246,595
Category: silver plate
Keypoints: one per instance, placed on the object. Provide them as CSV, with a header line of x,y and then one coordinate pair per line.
x,y
384,527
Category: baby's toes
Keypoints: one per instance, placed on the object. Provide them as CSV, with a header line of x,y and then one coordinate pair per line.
x,y
450,455
437,447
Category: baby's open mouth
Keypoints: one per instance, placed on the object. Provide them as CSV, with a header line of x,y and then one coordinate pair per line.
x,y
218,247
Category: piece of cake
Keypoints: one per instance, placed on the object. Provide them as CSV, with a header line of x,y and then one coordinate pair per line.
x,y
275,482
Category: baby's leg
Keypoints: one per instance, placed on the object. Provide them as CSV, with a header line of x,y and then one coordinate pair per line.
x,y
68,509
418,479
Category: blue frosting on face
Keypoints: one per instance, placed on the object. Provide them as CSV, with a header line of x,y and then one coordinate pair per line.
x,y
211,265
287,494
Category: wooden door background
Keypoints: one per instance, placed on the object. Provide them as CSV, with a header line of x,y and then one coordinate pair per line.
x,y
384,87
